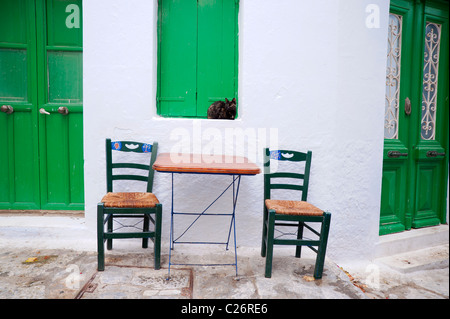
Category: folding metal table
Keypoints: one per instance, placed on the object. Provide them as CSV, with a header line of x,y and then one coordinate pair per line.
x,y
234,166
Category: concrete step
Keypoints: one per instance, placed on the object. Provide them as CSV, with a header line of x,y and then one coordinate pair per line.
x,y
436,257
412,240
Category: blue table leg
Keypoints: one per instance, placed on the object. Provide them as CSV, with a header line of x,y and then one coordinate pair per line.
x,y
171,232
232,224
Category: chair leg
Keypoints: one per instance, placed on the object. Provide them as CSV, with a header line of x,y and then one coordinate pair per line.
x,y
100,238
320,260
145,228
269,251
264,233
157,242
109,242
298,249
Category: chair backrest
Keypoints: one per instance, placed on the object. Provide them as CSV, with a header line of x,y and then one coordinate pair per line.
x,y
292,156
128,146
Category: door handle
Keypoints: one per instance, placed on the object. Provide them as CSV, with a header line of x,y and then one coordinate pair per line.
x,y
434,154
42,111
407,106
396,154
63,110
8,109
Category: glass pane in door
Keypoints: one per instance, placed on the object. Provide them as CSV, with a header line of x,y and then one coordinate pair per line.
x,y
430,80
65,76
13,75
393,77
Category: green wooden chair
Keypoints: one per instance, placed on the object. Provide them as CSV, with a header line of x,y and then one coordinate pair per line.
x,y
115,206
292,213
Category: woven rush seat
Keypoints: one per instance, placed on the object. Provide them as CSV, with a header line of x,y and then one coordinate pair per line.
x,y
291,207
130,200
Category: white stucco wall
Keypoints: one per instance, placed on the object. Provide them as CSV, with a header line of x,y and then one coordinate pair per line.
x,y
311,77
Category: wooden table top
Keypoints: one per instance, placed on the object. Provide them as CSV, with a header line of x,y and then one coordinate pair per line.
x,y
202,163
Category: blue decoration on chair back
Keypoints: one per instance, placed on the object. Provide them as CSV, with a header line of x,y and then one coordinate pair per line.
x,y
116,146
131,147
147,148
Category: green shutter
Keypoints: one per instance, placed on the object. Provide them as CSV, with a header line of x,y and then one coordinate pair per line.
x,y
177,57
217,23
197,55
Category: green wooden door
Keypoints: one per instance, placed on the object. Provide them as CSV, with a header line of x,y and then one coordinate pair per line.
x,y
415,158
41,79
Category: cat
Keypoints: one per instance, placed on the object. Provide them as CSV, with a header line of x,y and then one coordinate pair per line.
x,y
222,110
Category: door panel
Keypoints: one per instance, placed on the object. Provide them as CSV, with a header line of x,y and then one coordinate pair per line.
x,y
432,125
64,23
394,215
61,125
427,210
76,156
392,197
419,113
19,167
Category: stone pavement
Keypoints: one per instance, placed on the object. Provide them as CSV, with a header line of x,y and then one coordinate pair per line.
x,y
34,273
57,260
